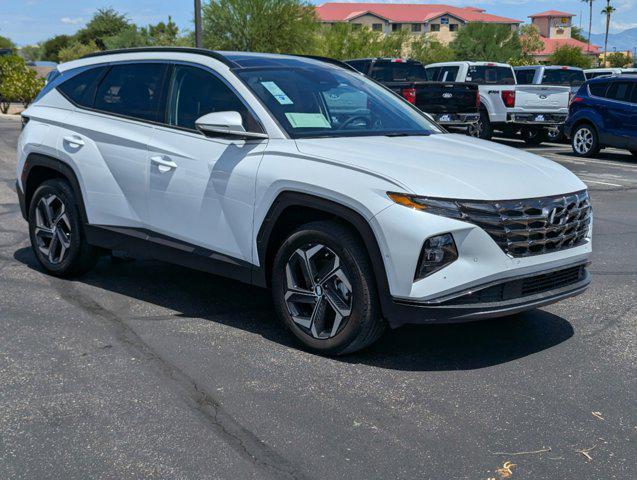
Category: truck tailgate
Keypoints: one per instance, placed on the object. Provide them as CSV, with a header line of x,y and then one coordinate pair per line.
x,y
543,98
439,97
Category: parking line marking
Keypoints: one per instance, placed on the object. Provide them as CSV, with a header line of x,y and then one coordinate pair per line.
x,y
602,183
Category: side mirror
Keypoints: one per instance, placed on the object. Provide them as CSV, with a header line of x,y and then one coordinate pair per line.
x,y
225,123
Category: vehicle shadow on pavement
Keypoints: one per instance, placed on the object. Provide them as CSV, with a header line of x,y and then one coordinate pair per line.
x,y
178,293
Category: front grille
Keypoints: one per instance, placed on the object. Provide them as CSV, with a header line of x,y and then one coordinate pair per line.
x,y
523,287
533,226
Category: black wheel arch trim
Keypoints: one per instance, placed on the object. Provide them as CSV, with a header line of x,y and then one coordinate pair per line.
x,y
35,160
297,199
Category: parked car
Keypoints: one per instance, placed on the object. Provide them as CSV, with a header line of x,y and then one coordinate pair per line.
x,y
300,175
604,72
603,113
572,77
505,106
451,104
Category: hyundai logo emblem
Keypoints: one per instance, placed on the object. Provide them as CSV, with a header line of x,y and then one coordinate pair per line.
x,y
552,217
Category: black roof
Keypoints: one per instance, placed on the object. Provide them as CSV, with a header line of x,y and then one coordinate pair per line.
x,y
235,59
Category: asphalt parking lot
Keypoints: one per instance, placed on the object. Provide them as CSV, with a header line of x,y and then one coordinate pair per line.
x,y
146,370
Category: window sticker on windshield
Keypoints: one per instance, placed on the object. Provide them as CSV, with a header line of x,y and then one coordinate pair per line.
x,y
277,93
307,120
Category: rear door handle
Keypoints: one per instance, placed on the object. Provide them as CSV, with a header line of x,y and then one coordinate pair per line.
x,y
164,163
74,140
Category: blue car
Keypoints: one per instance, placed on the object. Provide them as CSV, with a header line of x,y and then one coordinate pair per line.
x,y
603,113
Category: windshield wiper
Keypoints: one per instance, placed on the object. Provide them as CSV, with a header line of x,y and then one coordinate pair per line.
x,y
404,134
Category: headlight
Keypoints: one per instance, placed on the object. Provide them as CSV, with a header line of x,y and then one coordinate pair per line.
x,y
437,252
435,206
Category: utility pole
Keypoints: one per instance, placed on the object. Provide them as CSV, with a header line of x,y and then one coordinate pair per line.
x,y
198,23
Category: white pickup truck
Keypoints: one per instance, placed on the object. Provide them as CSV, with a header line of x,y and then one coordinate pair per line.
x,y
506,106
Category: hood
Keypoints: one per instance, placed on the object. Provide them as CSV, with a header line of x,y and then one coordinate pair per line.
x,y
448,166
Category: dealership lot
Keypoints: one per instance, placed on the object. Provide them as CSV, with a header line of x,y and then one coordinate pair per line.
x,y
141,369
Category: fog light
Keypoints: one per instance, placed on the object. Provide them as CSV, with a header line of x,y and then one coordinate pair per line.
x,y
437,253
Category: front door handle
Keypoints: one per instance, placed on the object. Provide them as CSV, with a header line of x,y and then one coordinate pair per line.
x,y
164,163
74,141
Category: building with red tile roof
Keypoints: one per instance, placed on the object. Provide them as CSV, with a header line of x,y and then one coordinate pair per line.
x,y
437,20
556,30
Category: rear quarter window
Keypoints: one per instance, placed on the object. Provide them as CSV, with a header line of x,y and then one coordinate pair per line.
x,y
598,89
80,88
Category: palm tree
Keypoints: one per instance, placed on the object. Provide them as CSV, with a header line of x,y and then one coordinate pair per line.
x,y
590,21
608,10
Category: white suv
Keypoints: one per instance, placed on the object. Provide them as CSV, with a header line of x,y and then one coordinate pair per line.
x,y
301,175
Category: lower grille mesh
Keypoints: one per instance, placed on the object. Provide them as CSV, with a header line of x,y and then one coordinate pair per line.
x,y
523,287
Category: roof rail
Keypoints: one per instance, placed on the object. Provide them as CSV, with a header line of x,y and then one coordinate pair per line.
x,y
198,51
333,61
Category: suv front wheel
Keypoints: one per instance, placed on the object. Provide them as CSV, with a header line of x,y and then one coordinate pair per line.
x,y
584,141
55,229
324,291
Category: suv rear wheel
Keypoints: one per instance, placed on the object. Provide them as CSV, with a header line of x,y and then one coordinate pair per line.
x,y
324,291
584,141
55,229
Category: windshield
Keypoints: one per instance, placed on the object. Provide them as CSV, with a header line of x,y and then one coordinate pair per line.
x,y
316,101
554,76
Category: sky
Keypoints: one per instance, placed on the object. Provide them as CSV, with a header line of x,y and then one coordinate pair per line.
x,y
30,21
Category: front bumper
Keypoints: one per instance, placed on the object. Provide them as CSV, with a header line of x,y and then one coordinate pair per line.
x,y
495,299
537,118
456,119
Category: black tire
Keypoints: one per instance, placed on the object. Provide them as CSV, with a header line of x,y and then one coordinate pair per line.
x,y
582,147
78,257
533,136
555,135
482,128
364,324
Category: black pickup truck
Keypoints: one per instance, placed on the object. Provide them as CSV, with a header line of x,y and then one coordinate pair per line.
x,y
450,104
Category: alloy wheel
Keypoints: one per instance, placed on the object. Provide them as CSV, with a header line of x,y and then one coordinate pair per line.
x,y
318,291
52,228
583,140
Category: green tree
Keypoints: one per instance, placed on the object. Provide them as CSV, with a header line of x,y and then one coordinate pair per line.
x,y
428,50
577,34
51,47
18,83
345,41
530,42
282,26
608,11
486,42
618,60
6,42
569,56
31,53
161,34
77,50
105,23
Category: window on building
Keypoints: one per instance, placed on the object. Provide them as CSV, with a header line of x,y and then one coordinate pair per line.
x,y
396,27
377,27
416,27
434,27
356,26
453,27
131,90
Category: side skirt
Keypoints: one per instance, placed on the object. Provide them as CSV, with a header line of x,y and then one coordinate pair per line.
x,y
145,244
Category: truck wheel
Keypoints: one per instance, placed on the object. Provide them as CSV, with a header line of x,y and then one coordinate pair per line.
x,y
482,128
324,290
555,135
584,141
533,136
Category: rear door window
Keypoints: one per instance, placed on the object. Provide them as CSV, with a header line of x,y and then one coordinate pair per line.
x,y
80,89
525,76
619,91
490,75
388,71
132,90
